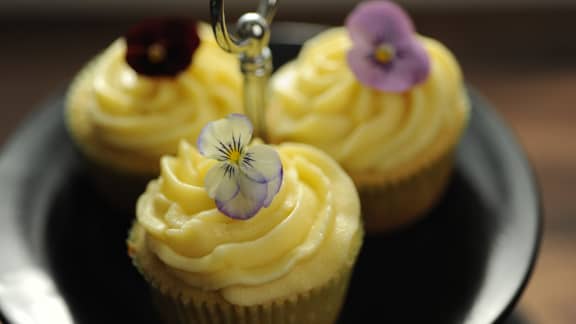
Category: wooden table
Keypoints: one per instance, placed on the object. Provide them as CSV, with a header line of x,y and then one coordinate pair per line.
x,y
522,62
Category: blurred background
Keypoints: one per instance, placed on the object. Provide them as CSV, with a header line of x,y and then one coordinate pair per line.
x,y
521,54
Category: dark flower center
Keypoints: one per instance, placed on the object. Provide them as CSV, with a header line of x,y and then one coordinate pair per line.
x,y
156,53
384,53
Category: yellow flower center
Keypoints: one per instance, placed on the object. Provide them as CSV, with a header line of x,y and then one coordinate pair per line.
x,y
234,156
384,53
156,53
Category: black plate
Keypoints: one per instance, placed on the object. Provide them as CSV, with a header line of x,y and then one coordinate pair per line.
x,y
468,262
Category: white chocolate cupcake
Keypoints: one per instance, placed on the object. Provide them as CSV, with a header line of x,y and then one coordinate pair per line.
x,y
289,261
135,101
387,104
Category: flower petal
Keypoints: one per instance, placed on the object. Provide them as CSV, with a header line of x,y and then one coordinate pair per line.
x,y
367,70
249,200
410,66
221,183
222,132
273,188
246,179
375,22
261,163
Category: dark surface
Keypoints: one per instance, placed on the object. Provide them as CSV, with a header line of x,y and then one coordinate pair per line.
x,y
466,263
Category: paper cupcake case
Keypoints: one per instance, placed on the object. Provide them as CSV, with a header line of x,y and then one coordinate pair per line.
x,y
318,306
178,303
409,196
395,205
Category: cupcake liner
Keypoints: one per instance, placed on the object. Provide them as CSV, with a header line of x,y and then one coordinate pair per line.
x,y
394,201
317,306
119,189
395,205
180,304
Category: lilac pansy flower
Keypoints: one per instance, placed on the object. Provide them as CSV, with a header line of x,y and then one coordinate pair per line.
x,y
245,178
385,53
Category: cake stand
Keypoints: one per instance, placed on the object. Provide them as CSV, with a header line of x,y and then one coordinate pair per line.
x,y
468,262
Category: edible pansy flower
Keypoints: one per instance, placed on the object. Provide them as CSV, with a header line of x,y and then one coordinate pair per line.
x,y
385,53
161,47
246,178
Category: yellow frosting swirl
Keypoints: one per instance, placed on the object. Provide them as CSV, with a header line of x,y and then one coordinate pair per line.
x,y
129,120
301,241
375,135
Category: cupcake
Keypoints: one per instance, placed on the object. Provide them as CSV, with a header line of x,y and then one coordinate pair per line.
x,y
386,103
231,233
134,102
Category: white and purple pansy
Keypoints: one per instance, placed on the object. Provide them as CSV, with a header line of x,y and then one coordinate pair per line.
x,y
386,54
246,178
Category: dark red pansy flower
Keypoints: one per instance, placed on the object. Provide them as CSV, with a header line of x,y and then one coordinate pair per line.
x,y
161,47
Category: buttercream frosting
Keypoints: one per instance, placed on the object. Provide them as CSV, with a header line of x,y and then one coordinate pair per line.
x,y
301,241
129,121
375,135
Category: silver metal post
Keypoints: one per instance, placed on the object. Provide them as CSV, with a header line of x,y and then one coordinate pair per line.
x,y
250,41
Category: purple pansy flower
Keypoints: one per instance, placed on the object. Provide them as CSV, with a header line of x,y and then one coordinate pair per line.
x,y
385,53
161,47
246,178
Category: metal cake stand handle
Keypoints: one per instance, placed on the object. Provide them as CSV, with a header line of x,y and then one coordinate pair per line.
x,y
250,41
